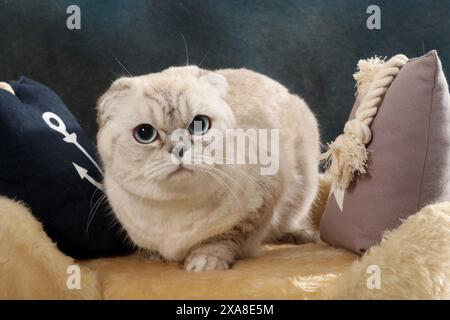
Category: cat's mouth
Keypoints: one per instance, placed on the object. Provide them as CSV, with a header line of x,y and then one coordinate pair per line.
x,y
179,170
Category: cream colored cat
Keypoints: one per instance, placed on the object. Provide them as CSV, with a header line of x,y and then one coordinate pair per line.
x,y
207,215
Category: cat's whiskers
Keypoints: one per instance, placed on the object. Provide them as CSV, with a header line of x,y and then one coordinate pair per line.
x,y
221,177
99,202
224,185
158,168
249,176
123,67
203,59
186,49
162,170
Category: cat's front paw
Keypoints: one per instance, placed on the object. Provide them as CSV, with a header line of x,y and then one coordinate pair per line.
x,y
203,262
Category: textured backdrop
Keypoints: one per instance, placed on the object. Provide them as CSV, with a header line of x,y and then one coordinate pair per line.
x,y
311,46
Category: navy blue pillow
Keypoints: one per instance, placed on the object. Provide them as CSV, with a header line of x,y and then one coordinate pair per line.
x,y
49,163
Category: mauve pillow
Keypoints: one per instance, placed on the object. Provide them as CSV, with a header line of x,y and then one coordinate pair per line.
x,y
409,160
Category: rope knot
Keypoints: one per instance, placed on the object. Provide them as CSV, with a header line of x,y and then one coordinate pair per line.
x,y
358,130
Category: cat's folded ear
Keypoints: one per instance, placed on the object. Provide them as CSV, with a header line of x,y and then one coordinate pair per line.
x,y
215,80
105,101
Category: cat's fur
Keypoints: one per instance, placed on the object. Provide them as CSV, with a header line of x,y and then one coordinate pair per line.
x,y
209,219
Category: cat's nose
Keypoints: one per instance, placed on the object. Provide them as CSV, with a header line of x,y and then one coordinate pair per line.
x,y
178,150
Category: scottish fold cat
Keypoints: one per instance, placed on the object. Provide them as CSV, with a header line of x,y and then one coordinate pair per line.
x,y
204,208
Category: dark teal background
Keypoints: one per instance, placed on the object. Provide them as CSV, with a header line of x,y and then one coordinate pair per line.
x,y
311,46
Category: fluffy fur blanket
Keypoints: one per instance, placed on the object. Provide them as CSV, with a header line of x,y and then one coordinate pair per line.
x,y
412,262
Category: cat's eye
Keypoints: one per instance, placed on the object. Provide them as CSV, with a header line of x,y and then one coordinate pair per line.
x,y
199,125
145,133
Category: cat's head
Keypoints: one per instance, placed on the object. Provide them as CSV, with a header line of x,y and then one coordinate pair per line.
x,y
143,119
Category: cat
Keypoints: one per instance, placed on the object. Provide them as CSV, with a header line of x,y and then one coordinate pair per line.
x,y
206,215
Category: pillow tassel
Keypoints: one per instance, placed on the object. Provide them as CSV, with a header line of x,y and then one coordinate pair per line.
x,y
345,157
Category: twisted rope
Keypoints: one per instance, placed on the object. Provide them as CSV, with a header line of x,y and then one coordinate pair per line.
x,y
348,155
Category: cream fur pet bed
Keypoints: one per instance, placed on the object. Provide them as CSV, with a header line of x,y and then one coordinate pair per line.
x,y
413,263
